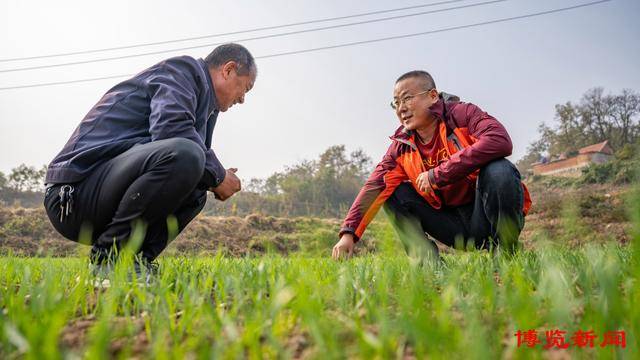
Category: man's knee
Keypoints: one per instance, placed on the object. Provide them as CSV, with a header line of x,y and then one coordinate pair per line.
x,y
502,198
188,157
405,196
499,174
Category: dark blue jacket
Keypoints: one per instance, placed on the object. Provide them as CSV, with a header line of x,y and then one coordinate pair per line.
x,y
174,98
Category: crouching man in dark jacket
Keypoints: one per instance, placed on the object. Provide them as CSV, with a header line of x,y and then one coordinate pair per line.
x,y
444,174
143,155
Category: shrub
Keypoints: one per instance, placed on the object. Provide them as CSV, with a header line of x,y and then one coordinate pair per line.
x,y
598,173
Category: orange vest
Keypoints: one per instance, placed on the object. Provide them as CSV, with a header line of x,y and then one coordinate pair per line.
x,y
457,140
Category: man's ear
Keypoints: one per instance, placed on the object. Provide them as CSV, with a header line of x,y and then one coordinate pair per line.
x,y
433,94
227,68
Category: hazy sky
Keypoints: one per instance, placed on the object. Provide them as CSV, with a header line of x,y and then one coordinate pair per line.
x,y
302,104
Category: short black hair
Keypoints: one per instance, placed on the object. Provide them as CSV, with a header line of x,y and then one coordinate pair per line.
x,y
232,52
427,80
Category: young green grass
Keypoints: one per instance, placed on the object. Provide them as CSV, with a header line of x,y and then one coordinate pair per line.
x,y
375,306
381,304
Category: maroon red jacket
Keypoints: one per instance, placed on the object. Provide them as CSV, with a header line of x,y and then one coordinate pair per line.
x,y
473,139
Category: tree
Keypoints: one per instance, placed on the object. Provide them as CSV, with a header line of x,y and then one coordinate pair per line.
x,y
27,178
626,107
567,137
322,187
255,185
535,153
596,118
3,180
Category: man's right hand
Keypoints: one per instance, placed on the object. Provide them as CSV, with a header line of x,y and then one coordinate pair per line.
x,y
229,186
344,246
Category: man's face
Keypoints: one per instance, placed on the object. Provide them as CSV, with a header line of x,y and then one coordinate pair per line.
x,y
413,102
230,87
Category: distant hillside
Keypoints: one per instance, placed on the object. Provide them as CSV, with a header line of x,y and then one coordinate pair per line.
x,y
561,212
578,215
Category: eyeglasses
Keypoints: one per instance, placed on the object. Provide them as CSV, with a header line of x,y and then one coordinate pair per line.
x,y
395,104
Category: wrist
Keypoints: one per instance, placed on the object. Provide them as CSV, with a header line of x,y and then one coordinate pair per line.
x,y
348,231
348,236
432,179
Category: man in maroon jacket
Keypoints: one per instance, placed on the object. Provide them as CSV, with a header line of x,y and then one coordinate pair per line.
x,y
444,174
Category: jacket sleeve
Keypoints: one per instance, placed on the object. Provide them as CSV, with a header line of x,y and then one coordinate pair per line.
x,y
385,178
173,107
491,142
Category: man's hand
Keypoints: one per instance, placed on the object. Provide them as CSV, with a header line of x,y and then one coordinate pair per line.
x,y
344,246
423,182
229,186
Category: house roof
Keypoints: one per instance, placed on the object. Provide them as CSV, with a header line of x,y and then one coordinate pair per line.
x,y
602,147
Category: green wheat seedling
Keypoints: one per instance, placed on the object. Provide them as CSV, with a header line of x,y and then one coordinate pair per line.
x,y
386,305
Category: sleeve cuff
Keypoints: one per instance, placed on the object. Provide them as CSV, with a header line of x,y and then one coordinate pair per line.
x,y
349,230
432,179
218,179
209,180
214,172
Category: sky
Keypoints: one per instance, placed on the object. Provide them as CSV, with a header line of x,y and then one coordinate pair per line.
x,y
302,104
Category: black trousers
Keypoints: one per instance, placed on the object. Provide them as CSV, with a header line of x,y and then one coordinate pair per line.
x,y
495,216
147,184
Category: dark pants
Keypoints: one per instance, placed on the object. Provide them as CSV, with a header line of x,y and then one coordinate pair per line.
x,y
149,182
494,218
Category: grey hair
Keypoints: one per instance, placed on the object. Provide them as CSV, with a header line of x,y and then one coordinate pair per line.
x,y
232,52
427,80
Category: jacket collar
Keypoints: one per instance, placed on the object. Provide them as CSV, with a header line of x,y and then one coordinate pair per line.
x,y
437,109
213,105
